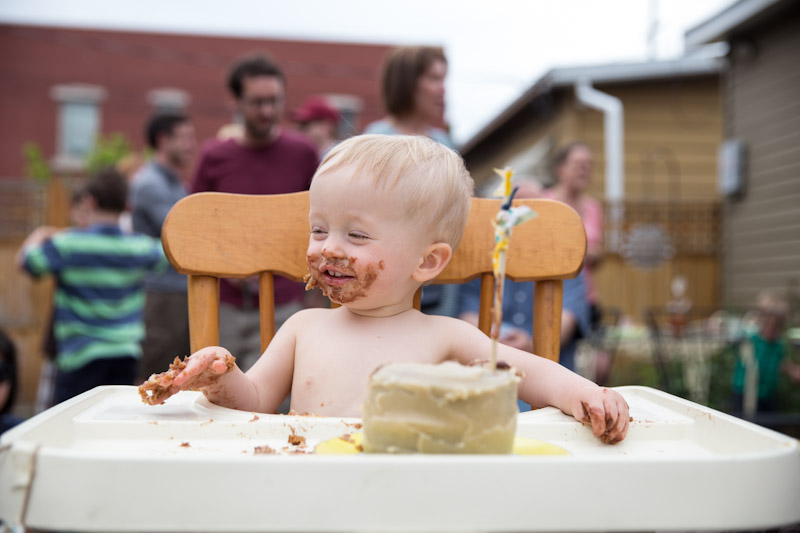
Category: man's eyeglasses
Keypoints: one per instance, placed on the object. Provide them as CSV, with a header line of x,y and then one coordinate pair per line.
x,y
257,103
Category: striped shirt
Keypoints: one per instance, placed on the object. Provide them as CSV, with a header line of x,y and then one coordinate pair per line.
x,y
99,292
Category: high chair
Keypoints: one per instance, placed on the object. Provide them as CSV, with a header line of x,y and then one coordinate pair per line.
x,y
208,236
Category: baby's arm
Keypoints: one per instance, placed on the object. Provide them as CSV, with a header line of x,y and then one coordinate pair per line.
x,y
548,383
261,389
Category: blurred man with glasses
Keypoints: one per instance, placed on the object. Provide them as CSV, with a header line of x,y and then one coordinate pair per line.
x,y
263,158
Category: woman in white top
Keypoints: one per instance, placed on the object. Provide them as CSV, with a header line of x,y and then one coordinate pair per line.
x,y
412,85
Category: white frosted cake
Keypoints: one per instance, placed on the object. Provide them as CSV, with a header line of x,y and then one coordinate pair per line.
x,y
445,408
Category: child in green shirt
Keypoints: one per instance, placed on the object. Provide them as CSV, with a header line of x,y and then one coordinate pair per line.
x,y
762,357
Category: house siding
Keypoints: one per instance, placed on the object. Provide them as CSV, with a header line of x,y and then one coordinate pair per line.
x,y
761,243
673,129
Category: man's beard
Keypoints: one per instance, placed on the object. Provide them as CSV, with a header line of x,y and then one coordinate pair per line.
x,y
260,133
178,160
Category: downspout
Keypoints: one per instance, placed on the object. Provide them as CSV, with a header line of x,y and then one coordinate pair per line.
x,y
613,134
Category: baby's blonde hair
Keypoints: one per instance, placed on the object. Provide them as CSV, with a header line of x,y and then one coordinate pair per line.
x,y
429,178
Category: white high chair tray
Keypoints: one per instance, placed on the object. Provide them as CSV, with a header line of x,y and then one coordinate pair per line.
x,y
104,461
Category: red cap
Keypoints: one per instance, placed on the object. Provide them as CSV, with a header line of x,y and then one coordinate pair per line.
x,y
315,108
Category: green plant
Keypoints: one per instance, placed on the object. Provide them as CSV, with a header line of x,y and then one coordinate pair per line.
x,y
107,151
36,166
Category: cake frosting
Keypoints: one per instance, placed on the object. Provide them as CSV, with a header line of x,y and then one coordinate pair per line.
x,y
444,408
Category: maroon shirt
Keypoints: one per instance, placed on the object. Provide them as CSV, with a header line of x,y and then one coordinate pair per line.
x,y
286,165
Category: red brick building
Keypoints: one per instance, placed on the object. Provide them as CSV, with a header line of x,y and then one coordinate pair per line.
x,y
59,87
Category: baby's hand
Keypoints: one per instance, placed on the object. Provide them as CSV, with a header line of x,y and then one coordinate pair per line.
x,y
204,367
604,409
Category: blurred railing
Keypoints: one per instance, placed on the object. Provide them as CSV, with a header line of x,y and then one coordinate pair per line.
x,y
23,207
688,227
657,240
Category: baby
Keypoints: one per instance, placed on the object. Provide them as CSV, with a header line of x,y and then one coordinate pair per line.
x,y
386,214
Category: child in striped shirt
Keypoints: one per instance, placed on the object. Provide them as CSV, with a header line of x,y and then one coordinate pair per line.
x,y
99,296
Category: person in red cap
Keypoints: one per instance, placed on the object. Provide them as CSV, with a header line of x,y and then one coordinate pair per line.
x,y
319,121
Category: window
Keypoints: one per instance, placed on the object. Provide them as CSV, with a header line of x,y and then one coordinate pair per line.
x,y
167,99
78,123
349,107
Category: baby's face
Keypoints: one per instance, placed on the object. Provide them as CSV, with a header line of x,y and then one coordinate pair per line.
x,y
363,249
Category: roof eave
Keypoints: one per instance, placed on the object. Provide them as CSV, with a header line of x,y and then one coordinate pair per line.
x,y
613,73
720,26
542,86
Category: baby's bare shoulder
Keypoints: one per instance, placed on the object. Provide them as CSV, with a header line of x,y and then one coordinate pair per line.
x,y
455,338
445,326
437,321
307,318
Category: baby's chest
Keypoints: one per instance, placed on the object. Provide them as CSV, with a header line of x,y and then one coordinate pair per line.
x,y
340,354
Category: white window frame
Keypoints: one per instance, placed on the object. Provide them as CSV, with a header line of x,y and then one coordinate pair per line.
x,y
69,95
168,99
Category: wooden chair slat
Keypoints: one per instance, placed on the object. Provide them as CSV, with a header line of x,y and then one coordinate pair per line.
x,y
203,311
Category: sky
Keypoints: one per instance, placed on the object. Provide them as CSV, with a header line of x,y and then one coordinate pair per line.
x,y
496,49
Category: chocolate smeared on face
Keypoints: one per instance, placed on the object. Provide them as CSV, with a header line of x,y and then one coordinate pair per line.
x,y
309,281
356,289
313,261
349,292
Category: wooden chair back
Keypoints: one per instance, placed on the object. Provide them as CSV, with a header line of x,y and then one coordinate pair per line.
x,y
547,249
209,236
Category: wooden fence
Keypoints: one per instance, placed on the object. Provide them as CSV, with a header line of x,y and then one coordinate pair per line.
x,y
25,304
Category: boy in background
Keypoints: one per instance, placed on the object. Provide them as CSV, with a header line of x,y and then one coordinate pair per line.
x,y
99,272
78,218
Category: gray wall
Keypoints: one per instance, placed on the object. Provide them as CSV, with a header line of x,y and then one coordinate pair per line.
x,y
761,243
